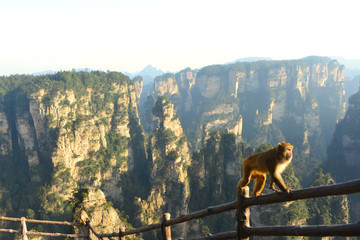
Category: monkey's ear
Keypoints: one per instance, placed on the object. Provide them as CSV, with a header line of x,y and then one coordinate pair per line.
x,y
279,147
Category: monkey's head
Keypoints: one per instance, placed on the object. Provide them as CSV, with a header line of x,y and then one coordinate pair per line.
x,y
284,150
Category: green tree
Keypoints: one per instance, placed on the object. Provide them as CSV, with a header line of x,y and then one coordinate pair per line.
x,y
327,210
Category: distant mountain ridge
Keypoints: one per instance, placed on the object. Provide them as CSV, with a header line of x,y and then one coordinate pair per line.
x,y
148,74
252,59
349,63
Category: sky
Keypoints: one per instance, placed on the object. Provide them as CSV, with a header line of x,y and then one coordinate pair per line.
x,y
128,35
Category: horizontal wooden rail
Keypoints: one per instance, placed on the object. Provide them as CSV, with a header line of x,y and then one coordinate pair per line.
x,y
40,221
63,223
9,231
184,218
203,213
345,230
65,235
218,236
313,192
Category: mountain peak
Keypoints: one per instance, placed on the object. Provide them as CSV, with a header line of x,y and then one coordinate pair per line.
x,y
151,71
148,74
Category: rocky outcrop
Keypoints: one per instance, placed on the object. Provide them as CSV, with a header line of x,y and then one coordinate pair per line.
x,y
139,83
346,140
5,134
343,161
171,158
81,134
352,151
103,216
166,84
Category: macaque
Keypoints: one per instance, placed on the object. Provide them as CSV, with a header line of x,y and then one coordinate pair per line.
x,y
273,161
84,218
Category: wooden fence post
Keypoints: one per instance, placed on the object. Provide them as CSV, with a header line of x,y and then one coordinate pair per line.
x,y
24,229
243,214
122,229
166,230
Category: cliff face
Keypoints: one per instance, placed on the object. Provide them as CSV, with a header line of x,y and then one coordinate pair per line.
x,y
82,133
5,134
74,131
343,159
69,130
343,151
102,214
273,82
170,155
261,102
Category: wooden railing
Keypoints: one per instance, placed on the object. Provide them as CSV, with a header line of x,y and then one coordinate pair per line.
x,y
24,232
242,207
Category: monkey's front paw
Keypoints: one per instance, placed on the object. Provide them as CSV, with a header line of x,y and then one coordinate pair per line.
x,y
288,191
273,189
260,194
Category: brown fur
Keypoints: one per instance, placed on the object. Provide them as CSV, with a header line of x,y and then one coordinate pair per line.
x,y
273,161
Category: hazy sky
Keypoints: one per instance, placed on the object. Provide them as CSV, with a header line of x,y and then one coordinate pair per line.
x,y
39,35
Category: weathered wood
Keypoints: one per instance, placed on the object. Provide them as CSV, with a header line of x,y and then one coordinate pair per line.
x,y
26,233
314,192
204,213
122,229
40,221
242,214
130,232
217,236
23,229
56,234
9,230
331,190
346,230
44,234
165,228
10,219
184,218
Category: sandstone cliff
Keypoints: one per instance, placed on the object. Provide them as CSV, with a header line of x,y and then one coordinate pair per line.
x,y
70,130
261,102
343,160
170,155
103,216
82,130
86,125
5,134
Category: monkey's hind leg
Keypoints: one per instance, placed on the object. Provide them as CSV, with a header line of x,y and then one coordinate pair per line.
x,y
245,180
259,184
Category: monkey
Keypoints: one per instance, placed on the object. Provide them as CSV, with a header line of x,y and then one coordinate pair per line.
x,y
273,161
84,218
